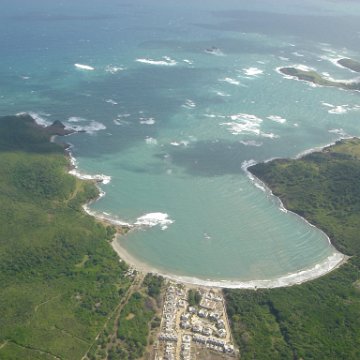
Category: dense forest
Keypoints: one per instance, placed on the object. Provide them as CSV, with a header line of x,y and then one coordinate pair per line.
x,y
319,319
60,279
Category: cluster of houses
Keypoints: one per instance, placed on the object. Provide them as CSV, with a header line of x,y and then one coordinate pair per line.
x,y
184,326
168,327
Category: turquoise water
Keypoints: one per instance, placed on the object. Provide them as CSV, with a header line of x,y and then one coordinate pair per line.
x,y
173,123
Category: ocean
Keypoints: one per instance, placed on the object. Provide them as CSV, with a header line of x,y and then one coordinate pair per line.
x,y
175,99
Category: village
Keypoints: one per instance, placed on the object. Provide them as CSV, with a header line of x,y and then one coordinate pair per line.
x,y
193,321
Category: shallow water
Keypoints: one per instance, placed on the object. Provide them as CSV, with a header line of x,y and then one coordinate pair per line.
x,y
175,97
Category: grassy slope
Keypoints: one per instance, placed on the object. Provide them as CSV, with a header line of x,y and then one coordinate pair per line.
x,y
319,319
59,277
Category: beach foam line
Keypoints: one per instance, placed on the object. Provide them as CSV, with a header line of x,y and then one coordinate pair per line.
x,y
106,216
340,132
84,67
329,264
101,178
38,117
104,179
334,60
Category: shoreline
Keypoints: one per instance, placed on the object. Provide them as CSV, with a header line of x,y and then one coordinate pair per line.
x,y
329,264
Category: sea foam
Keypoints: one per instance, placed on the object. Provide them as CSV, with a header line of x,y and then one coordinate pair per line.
x,y
166,61
246,124
340,109
277,119
114,69
91,127
40,118
252,71
147,121
151,141
84,67
230,81
154,219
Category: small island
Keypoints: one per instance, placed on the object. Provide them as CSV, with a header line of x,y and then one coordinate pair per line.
x,y
351,64
317,79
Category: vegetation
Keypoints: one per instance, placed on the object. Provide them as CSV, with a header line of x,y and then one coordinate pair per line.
x,y
154,284
315,78
60,279
133,326
350,64
319,319
194,297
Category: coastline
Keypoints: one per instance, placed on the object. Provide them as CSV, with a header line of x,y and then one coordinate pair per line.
x,y
329,264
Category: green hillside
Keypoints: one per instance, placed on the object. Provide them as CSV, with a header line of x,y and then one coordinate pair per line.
x,y
319,319
60,279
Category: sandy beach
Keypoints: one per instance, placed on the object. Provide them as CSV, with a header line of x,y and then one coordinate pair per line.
x,y
318,270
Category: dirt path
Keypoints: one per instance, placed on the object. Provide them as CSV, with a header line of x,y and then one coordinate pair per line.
x,y
136,284
45,302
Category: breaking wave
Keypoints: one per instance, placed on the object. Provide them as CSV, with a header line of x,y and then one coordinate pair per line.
x,y
147,121
114,69
230,81
91,127
104,179
151,141
330,263
246,124
252,71
84,67
154,219
277,119
340,109
166,61
40,118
